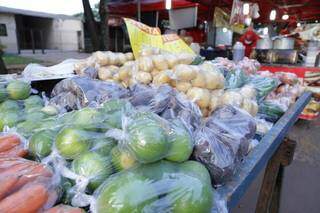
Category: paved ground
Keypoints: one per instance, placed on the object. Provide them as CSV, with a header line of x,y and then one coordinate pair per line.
x,y
54,56
301,187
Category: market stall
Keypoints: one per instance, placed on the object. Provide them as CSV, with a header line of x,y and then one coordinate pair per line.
x,y
158,129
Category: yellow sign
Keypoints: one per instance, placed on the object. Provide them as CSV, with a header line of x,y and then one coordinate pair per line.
x,y
142,35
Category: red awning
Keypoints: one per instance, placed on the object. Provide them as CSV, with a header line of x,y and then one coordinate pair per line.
x,y
129,8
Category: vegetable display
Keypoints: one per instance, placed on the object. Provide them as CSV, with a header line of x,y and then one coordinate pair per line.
x,y
124,143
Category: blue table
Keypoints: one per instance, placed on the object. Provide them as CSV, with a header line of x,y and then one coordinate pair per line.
x,y
259,157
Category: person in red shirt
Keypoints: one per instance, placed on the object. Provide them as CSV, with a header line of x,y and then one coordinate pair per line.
x,y
249,39
197,33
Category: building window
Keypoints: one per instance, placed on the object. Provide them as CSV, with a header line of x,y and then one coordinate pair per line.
x,y
3,30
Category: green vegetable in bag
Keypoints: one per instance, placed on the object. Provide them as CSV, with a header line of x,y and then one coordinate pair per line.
x,y
147,139
71,142
181,143
263,85
122,159
125,192
33,101
93,166
9,105
18,90
40,143
3,94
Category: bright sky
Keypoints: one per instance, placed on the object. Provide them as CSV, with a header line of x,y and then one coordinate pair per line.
x,y
68,7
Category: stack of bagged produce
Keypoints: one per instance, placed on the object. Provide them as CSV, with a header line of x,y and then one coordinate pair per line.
x,y
277,101
118,158
19,109
203,83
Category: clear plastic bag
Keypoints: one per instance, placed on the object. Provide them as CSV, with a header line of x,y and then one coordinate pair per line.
x,y
271,110
80,92
26,186
263,85
150,138
216,155
12,145
223,142
157,187
235,79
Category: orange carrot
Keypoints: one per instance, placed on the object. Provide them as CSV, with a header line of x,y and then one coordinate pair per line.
x,y
6,185
64,209
8,142
37,171
27,200
16,151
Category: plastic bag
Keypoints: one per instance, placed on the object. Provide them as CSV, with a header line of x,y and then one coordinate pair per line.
x,y
223,142
235,79
80,92
12,145
26,186
64,209
154,99
287,77
233,120
157,187
23,115
187,111
150,138
263,85
37,71
271,110
216,155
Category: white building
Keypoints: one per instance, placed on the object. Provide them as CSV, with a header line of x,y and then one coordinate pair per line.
x,y
24,29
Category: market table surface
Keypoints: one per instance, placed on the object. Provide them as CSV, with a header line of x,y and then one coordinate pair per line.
x,y
257,159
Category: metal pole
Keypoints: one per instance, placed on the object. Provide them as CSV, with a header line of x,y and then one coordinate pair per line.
x,y
41,40
18,41
32,41
157,18
139,9
116,40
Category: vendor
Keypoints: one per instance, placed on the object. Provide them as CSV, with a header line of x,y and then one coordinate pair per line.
x,y
197,33
249,40
290,27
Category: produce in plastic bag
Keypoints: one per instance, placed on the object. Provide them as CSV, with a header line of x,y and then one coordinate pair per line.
x,y
263,85
232,97
271,110
93,166
145,137
26,186
64,209
181,142
287,77
158,187
78,92
234,121
11,145
18,90
235,79
187,111
215,154
224,141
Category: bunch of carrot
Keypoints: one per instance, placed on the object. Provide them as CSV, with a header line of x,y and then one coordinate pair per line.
x,y
11,146
25,186
64,209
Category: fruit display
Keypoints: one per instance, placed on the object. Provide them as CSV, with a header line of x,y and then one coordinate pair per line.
x,y
175,188
152,134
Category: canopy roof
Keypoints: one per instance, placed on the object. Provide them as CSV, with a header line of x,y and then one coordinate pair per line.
x,y
301,10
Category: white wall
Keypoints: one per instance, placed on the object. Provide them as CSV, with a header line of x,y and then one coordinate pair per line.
x,y
63,34
10,41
